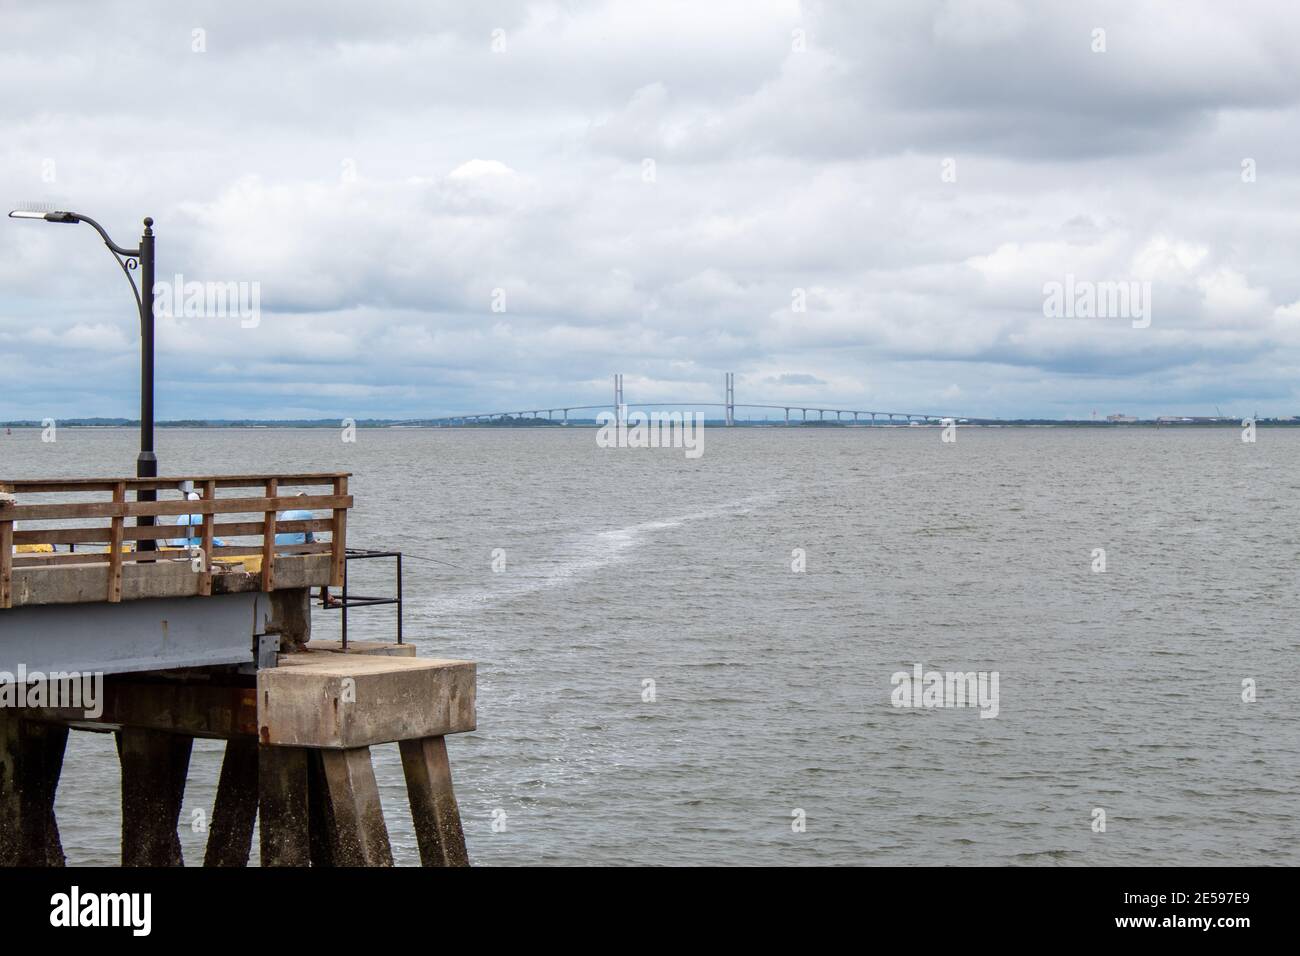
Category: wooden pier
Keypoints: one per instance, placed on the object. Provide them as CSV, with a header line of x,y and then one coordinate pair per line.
x,y
211,638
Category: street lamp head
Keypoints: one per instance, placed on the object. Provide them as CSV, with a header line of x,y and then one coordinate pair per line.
x,y
57,216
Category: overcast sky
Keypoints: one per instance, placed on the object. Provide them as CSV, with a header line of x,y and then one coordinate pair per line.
x,y
643,188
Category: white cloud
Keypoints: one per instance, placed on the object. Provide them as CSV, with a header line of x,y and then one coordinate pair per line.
x,y
380,172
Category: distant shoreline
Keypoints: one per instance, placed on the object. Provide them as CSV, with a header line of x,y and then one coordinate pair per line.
x,y
592,423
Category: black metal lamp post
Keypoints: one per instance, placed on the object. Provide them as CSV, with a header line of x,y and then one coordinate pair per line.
x,y
146,463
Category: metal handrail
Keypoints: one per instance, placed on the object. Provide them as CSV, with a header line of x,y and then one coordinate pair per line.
x,y
347,600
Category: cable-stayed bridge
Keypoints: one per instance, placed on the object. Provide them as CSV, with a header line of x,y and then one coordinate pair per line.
x,y
795,413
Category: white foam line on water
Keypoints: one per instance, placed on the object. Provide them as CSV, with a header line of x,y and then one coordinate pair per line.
x,y
594,552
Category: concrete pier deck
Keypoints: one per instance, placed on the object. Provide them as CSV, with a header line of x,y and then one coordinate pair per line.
x,y
172,577
213,641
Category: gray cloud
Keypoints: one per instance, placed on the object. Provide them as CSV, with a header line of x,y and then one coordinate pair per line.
x,y
909,174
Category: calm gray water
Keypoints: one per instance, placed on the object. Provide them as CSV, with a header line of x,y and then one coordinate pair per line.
x,y
1119,690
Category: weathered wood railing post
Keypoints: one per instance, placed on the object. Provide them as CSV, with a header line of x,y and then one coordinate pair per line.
x,y
115,545
339,535
268,538
205,577
6,550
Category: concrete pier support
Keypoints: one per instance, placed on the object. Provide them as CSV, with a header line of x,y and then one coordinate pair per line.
x,y
298,759
155,765
433,802
282,805
356,830
31,760
230,834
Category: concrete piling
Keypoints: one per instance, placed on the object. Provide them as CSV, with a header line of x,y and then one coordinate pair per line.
x,y
31,760
155,766
351,796
433,802
230,832
282,806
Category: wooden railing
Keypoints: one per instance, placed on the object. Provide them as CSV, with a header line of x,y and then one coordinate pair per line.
x,y
37,528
